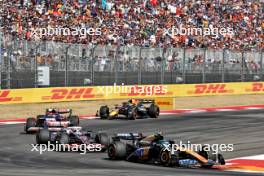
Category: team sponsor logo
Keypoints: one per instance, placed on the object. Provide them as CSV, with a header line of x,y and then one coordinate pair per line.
x,y
164,103
72,94
5,97
210,89
256,87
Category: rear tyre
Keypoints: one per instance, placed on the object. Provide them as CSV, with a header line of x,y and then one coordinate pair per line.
x,y
43,136
154,111
104,112
74,120
117,151
31,122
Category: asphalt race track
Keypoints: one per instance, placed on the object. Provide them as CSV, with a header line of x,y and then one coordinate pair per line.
x,y
244,129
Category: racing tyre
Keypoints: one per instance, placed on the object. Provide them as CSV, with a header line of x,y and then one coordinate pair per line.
x,y
168,160
104,112
154,111
132,113
31,122
221,159
43,136
102,138
74,120
117,151
63,139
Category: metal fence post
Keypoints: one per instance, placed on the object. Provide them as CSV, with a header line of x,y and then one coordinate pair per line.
x,y
242,69
223,66
183,67
8,78
261,64
163,61
92,64
116,65
1,60
66,66
140,66
36,65
204,64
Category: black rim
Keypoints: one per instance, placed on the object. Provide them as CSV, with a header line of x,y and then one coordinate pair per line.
x,y
157,112
111,151
164,157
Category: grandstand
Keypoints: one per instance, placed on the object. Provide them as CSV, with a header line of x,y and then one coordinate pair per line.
x,y
135,44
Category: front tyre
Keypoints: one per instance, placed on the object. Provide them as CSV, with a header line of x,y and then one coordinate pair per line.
x,y
103,139
221,159
43,136
167,159
104,112
31,122
132,113
63,139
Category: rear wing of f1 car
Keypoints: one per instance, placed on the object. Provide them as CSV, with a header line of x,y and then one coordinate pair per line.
x,y
145,101
128,136
59,111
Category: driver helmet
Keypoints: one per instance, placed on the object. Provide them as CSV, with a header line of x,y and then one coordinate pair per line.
x,y
133,101
159,136
53,111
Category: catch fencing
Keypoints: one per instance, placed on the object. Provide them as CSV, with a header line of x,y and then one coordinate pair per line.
x,y
82,65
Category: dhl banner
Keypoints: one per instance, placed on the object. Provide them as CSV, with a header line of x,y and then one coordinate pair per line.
x,y
58,94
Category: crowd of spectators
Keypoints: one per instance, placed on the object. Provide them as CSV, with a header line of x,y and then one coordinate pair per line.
x,y
139,22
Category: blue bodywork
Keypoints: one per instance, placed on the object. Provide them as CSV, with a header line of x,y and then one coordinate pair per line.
x,y
58,117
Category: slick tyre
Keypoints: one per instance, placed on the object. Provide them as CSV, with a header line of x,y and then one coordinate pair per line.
x,y
31,122
154,111
63,139
103,139
104,112
166,159
43,136
117,151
